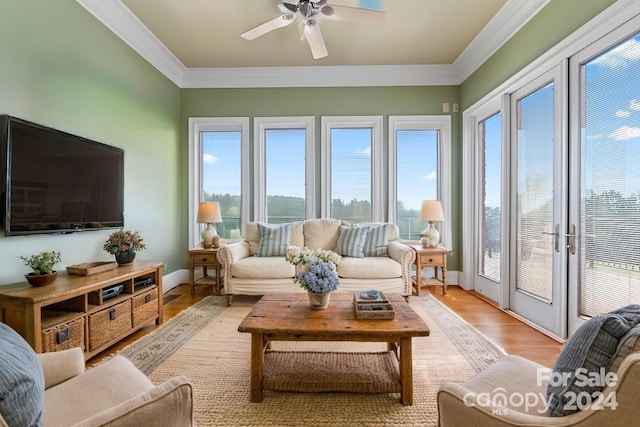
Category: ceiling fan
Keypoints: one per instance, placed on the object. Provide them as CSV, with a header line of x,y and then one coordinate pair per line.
x,y
311,13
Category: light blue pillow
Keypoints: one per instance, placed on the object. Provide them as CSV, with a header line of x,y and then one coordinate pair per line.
x,y
274,239
351,241
591,347
21,380
377,241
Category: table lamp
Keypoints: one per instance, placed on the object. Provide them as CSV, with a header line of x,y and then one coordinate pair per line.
x,y
431,211
209,213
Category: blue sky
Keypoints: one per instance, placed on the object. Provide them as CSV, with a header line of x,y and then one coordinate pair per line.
x,y
417,164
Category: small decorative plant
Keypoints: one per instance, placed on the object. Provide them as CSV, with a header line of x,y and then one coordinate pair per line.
x,y
124,241
320,273
43,262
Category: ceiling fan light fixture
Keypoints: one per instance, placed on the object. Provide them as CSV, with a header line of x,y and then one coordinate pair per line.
x,y
327,11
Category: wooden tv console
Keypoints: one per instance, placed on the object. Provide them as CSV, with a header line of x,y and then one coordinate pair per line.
x,y
72,313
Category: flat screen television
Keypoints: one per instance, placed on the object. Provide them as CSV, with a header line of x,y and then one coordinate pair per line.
x,y
55,182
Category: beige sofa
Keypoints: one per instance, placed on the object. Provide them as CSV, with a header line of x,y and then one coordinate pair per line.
x,y
246,274
114,393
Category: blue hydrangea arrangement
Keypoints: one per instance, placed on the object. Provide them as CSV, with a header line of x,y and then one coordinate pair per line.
x,y
320,274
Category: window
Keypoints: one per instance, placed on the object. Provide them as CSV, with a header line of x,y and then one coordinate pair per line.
x,y
284,168
490,240
418,152
352,168
219,161
610,179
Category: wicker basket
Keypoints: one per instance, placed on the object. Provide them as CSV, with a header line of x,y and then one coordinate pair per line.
x,y
145,307
61,330
89,268
108,324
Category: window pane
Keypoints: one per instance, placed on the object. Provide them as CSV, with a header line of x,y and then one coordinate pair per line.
x,y
490,238
221,178
351,174
416,178
285,175
610,181
535,193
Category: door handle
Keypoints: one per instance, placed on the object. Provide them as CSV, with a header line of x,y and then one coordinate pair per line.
x,y
571,239
556,235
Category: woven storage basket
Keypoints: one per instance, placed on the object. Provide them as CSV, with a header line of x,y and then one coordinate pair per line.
x,y
108,324
89,268
145,307
61,330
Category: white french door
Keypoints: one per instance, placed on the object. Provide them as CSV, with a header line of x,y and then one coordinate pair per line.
x,y
605,185
536,212
490,247
570,242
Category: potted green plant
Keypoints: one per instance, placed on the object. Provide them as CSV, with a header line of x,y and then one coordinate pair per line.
x,y
42,267
124,244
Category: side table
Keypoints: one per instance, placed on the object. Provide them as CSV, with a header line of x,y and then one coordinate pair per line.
x,y
205,258
431,257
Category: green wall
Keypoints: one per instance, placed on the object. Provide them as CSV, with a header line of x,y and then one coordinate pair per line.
x,y
61,68
354,101
557,20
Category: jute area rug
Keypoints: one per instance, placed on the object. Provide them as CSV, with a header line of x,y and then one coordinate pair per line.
x,y
203,343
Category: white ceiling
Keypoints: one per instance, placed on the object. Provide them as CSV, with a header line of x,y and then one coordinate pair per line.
x,y
197,43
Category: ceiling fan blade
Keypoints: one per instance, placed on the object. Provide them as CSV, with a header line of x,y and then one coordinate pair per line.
x,y
314,38
277,22
354,14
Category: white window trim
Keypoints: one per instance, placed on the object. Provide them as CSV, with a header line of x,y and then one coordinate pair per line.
x,y
260,126
442,124
375,123
215,124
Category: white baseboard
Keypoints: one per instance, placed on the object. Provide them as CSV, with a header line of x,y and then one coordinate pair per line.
x,y
171,280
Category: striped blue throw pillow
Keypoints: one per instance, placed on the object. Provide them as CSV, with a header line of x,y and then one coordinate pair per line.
x,y
377,241
21,381
274,239
351,241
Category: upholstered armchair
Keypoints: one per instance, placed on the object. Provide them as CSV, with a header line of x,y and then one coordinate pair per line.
x,y
596,382
491,398
113,393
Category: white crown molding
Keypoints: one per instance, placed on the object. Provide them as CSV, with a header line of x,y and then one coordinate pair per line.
x,y
124,24
119,19
325,76
508,21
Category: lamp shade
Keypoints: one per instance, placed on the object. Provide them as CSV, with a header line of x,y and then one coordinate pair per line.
x,y
431,210
209,212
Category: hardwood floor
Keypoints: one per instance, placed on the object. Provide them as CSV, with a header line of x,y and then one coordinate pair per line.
x,y
512,335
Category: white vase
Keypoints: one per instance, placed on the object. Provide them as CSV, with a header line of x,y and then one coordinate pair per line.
x,y
318,300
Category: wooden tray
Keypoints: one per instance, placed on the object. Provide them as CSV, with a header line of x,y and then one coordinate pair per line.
x,y
89,268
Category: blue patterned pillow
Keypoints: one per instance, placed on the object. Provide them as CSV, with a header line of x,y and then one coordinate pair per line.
x,y
21,380
274,240
591,347
377,241
351,241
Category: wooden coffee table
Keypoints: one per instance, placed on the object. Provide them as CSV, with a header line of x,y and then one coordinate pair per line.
x,y
288,317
